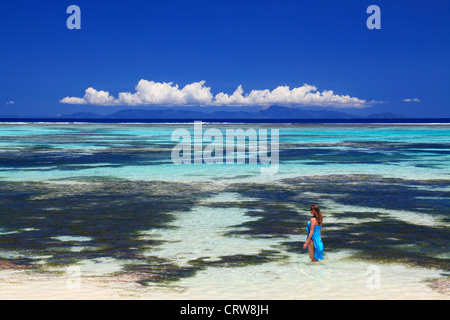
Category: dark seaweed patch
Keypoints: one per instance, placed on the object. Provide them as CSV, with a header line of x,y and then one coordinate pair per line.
x,y
335,155
284,210
159,270
239,260
109,213
63,160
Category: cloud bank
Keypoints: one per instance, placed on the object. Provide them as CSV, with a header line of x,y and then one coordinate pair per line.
x,y
166,93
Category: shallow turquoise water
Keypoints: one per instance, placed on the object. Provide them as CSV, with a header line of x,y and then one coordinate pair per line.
x,y
84,193
43,152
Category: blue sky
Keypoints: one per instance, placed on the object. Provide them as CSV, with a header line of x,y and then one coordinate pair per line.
x,y
193,52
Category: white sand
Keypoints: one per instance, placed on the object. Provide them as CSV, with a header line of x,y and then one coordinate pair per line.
x,y
299,280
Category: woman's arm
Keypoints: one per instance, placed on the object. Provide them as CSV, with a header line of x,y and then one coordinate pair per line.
x,y
311,232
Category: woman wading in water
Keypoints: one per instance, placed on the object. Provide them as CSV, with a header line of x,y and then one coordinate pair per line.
x,y
314,229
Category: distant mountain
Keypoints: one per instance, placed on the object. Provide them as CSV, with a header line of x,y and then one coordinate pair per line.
x,y
157,114
385,115
272,112
277,112
83,115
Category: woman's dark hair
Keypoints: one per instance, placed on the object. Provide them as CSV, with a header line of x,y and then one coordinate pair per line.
x,y
317,213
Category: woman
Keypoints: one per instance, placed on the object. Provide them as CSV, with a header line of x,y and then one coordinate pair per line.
x,y
314,229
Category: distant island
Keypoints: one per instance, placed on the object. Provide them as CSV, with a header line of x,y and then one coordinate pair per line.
x,y
272,112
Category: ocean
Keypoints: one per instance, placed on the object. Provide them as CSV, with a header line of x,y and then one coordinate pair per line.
x,y
106,199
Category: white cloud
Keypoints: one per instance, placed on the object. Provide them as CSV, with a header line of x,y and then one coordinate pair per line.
x,y
411,100
73,100
10,102
166,93
283,95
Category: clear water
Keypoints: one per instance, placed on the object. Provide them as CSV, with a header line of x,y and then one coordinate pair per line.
x,y
109,199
